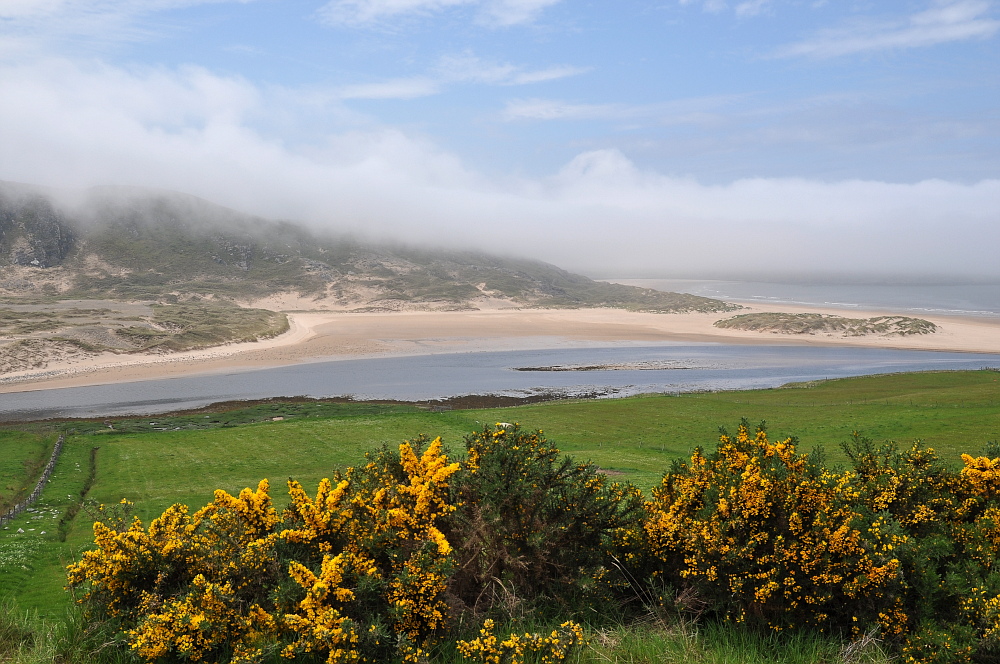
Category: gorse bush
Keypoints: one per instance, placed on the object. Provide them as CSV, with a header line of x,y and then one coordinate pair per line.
x,y
363,559
767,534
363,571
533,526
947,609
189,585
412,550
900,543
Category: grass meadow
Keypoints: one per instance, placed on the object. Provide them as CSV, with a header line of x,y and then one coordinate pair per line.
x,y
160,460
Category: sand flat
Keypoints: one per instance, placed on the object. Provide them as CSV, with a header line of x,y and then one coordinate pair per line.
x,y
318,335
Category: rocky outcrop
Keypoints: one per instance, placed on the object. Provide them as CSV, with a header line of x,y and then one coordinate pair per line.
x,y
33,233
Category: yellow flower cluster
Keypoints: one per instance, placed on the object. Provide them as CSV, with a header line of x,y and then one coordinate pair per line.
x,y
488,441
193,586
487,648
214,555
982,608
982,474
320,625
411,508
761,526
226,539
417,596
320,522
118,568
906,484
385,506
204,621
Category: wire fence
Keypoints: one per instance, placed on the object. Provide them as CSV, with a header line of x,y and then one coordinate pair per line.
x,y
17,509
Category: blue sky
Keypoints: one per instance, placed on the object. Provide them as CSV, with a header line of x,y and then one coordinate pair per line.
x,y
631,138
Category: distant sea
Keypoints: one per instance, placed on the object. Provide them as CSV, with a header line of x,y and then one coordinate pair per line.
x,y
911,299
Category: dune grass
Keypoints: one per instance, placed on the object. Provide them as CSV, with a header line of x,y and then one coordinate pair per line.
x,y
810,323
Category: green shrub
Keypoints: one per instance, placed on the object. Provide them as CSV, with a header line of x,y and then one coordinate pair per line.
x,y
533,526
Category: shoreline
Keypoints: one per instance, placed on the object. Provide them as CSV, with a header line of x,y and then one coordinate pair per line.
x,y
316,336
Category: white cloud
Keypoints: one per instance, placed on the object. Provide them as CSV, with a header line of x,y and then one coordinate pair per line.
x,y
27,25
752,7
695,110
549,74
400,88
191,130
456,69
497,13
944,21
361,12
30,9
512,12
550,109
467,68
711,6
744,8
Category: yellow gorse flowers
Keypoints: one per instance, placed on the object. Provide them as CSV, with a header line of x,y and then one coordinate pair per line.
x,y
756,522
382,561
195,585
487,648
982,474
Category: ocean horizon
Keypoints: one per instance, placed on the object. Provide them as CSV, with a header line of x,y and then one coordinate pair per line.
x,y
950,299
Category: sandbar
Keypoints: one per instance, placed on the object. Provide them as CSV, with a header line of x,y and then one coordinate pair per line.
x,y
325,335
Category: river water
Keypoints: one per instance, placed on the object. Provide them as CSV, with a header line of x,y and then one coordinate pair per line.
x,y
659,368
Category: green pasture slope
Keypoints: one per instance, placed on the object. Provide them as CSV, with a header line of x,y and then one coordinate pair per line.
x,y
23,454
634,439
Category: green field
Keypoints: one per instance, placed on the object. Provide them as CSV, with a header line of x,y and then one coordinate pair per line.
x,y
954,412
23,455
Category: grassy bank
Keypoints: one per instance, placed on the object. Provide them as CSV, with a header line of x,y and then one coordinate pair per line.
x,y
24,451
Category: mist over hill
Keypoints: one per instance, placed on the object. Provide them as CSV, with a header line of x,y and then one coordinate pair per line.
x,y
138,244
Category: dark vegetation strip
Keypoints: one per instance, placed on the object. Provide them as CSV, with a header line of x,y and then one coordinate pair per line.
x,y
13,512
74,508
236,413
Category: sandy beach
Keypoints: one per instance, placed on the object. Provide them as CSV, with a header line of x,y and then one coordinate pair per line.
x,y
319,335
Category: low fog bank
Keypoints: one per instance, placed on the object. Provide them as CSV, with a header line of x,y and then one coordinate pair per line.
x,y
76,125
781,231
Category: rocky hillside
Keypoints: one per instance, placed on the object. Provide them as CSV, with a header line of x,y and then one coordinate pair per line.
x,y
134,244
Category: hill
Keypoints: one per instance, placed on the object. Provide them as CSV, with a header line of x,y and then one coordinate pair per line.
x,y
135,244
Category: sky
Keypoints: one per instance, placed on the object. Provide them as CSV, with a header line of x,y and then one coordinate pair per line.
x,y
660,138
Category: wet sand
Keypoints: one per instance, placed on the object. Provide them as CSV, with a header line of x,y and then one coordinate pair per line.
x,y
324,335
